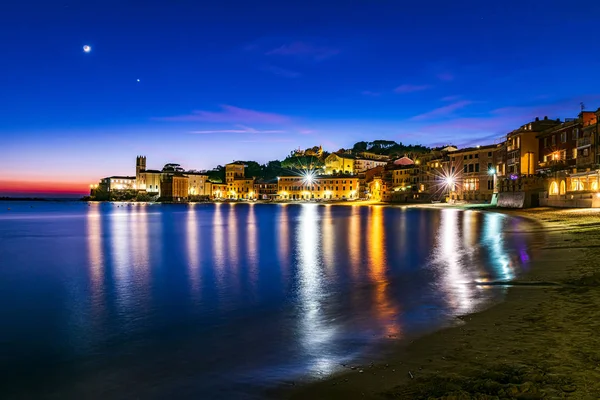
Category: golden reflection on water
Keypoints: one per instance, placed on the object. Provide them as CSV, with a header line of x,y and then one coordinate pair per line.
x,y
328,239
218,249
316,334
354,241
121,256
283,241
493,236
95,253
193,254
232,237
140,238
252,244
385,308
449,261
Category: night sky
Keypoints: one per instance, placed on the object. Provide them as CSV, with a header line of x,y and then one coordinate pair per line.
x,y
252,80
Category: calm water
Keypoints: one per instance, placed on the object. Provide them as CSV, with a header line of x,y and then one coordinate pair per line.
x,y
220,301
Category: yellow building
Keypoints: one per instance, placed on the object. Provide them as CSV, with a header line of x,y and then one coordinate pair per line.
x,y
339,164
234,170
238,186
522,147
198,184
319,187
149,181
218,190
406,178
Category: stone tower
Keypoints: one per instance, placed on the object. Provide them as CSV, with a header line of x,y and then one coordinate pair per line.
x,y
140,166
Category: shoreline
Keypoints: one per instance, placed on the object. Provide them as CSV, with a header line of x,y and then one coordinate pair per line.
x,y
540,342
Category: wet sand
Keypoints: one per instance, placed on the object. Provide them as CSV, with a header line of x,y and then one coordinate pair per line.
x,y
543,341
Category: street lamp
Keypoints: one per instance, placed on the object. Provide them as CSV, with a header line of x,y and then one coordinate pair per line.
x,y
308,178
449,180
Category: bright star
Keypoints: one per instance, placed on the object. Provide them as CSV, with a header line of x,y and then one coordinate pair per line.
x,y
87,48
138,80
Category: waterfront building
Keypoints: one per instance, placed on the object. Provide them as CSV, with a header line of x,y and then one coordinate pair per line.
x,y
174,186
558,144
198,184
523,148
405,182
238,186
115,183
432,175
218,190
587,142
378,184
266,189
324,187
473,173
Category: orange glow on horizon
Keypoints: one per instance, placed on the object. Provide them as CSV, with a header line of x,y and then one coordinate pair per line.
x,y
37,187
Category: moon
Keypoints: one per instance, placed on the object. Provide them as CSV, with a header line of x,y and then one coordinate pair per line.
x,y
87,48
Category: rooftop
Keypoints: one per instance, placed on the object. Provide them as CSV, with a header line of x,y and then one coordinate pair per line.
x,y
120,177
476,148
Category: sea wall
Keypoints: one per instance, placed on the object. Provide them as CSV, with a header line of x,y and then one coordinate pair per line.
x,y
570,200
511,200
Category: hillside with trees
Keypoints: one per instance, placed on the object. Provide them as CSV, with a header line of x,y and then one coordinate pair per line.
x,y
388,148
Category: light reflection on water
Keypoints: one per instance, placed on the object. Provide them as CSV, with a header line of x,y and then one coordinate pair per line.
x,y
211,297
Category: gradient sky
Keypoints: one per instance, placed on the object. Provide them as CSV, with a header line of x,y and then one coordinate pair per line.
x,y
225,80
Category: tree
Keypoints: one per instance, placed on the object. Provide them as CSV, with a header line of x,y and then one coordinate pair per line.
x,y
217,175
253,169
360,147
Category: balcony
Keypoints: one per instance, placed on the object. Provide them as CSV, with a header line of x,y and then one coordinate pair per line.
x,y
584,142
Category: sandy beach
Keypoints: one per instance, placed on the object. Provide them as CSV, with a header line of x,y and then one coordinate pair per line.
x,y
541,342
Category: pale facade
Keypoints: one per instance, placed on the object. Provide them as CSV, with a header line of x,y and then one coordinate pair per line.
x,y
363,164
474,173
149,181
198,184
118,183
339,164
322,187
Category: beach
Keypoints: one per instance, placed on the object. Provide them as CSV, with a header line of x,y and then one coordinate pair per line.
x,y
541,342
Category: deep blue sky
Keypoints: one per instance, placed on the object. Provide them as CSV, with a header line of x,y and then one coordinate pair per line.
x,y
226,80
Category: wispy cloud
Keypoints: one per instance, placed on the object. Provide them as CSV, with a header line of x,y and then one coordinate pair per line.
x,y
369,93
445,76
305,50
408,88
270,140
445,111
286,73
239,129
230,114
450,98
492,126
